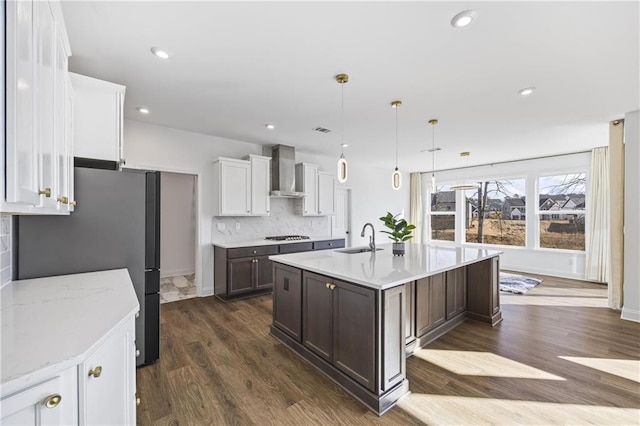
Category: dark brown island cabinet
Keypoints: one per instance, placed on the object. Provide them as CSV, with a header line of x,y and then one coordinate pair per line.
x,y
360,336
241,272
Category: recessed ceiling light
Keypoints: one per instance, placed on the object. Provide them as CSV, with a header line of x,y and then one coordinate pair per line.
x,y
270,126
143,110
160,53
344,145
526,91
463,19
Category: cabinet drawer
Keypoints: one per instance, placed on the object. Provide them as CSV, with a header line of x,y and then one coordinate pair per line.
x,y
329,244
295,247
251,251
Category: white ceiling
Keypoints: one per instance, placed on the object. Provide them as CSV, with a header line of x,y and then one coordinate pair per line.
x,y
239,65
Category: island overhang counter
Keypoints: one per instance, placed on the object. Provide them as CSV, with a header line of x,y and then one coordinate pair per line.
x,y
357,316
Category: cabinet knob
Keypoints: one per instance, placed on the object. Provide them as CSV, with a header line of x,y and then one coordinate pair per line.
x,y
248,211
46,192
330,244
138,314
96,372
73,203
328,285
63,200
254,252
137,353
332,286
52,401
137,400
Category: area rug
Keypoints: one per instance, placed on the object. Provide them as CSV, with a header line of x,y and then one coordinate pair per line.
x,y
518,284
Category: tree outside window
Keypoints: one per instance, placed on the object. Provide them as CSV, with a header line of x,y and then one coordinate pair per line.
x,y
496,212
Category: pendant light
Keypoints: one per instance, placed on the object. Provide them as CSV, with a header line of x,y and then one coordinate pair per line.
x,y
343,167
396,176
433,123
464,185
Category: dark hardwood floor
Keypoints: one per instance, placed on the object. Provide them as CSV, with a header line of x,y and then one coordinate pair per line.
x,y
560,356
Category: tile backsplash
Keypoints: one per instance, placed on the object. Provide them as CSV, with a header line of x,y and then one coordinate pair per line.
x,y
283,221
5,249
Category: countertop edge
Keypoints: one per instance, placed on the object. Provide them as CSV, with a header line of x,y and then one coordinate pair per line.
x,y
263,242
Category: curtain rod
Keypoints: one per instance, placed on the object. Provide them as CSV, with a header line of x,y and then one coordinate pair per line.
x,y
512,161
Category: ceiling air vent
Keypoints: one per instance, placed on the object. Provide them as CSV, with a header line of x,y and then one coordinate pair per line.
x,y
321,129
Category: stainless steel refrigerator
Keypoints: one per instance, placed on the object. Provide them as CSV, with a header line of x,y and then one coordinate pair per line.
x,y
116,224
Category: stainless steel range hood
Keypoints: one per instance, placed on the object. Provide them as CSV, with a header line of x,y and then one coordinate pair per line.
x,y
283,173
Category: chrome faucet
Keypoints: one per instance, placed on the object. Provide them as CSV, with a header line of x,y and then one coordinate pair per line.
x,y
372,238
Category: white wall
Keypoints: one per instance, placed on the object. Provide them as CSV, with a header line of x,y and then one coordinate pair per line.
x,y
5,249
560,263
631,303
177,224
155,147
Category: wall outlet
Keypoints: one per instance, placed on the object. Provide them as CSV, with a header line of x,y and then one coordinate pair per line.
x,y
220,226
237,226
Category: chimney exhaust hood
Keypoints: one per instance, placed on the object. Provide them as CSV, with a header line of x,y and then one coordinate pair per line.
x,y
283,174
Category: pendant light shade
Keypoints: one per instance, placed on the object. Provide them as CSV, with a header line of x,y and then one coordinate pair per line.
x,y
396,176
343,166
433,150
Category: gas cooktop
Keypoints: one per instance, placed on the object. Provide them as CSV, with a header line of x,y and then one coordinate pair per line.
x,y
288,238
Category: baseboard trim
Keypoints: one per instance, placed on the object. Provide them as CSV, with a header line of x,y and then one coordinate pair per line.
x,y
630,315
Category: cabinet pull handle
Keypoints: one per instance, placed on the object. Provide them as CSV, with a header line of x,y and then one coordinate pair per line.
x,y
138,314
96,372
328,285
137,353
52,401
63,200
46,192
138,400
332,286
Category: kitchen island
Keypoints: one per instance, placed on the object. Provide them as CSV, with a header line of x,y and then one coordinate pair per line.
x,y
356,316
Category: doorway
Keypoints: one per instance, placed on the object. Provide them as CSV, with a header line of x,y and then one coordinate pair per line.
x,y
341,221
178,225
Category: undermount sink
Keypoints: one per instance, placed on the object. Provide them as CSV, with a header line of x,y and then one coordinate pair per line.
x,y
357,250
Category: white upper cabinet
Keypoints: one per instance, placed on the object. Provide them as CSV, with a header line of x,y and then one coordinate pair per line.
x,y
20,145
307,182
260,185
326,193
232,189
98,118
320,188
37,156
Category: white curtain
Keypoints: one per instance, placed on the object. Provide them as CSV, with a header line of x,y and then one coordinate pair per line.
x,y
415,205
597,226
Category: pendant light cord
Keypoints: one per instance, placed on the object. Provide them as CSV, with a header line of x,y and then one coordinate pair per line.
x,y
342,119
397,137
433,148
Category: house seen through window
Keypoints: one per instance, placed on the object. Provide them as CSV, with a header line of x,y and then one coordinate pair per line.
x,y
561,211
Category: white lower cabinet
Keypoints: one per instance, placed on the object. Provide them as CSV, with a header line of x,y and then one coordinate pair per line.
x,y
52,402
100,390
107,383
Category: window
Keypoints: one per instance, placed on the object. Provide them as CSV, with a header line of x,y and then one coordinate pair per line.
x,y
442,213
561,211
496,213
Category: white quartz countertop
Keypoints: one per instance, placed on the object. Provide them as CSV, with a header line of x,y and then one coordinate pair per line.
x,y
382,270
51,322
263,242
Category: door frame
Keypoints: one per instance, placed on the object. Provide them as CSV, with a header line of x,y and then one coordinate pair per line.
x,y
348,205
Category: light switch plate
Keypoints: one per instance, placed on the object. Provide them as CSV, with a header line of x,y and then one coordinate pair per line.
x,y
237,226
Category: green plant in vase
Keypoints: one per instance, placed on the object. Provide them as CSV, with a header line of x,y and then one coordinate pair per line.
x,y
399,231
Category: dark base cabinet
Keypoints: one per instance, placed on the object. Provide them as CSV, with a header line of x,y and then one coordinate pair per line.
x,y
353,334
241,272
247,271
483,291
